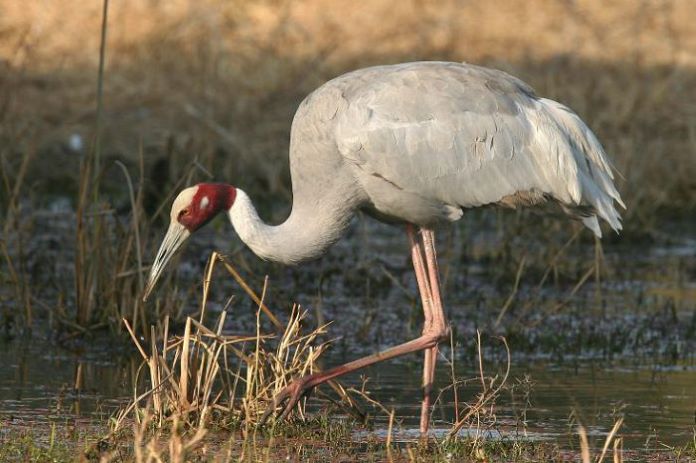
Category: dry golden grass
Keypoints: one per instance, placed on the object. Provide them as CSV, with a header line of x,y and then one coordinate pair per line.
x,y
205,372
220,80
206,376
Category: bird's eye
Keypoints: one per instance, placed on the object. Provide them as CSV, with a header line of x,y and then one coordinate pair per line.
x,y
183,212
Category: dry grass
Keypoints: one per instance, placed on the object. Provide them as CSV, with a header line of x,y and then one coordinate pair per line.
x,y
205,376
476,414
220,80
612,439
205,371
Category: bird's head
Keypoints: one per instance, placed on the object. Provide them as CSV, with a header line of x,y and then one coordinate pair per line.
x,y
193,207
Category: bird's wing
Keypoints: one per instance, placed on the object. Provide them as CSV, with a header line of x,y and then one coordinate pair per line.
x,y
470,136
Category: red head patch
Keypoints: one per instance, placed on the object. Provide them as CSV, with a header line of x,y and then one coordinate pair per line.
x,y
206,201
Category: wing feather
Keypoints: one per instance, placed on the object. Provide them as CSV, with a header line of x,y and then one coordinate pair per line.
x,y
469,136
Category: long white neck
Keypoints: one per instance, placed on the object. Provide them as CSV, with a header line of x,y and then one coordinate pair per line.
x,y
310,229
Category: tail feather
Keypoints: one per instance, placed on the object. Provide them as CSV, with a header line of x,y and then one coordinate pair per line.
x,y
594,174
592,223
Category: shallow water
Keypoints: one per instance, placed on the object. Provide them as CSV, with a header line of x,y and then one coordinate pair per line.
x,y
42,383
657,404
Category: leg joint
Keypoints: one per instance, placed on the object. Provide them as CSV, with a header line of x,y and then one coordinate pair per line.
x,y
438,334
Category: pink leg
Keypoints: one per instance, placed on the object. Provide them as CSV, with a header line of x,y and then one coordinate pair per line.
x,y
421,276
434,331
430,354
433,273
438,319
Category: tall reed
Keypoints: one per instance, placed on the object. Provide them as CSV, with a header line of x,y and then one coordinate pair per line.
x,y
89,246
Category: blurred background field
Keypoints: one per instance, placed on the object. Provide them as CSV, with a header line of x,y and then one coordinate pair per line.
x,y
206,89
220,80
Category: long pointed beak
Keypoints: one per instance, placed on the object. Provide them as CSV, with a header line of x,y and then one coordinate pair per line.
x,y
175,237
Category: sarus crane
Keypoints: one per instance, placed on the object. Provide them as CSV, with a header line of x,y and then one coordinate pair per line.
x,y
414,144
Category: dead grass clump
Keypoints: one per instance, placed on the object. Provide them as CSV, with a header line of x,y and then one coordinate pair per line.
x,y
205,376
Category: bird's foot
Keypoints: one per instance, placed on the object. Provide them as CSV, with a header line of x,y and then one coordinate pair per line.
x,y
293,392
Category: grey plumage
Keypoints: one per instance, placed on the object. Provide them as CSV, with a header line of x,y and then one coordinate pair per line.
x,y
419,142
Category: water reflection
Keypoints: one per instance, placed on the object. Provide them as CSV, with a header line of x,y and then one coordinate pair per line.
x,y
41,382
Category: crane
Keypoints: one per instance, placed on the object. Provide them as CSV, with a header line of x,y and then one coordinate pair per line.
x,y
414,144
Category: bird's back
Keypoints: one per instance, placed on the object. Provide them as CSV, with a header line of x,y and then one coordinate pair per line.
x,y
424,140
